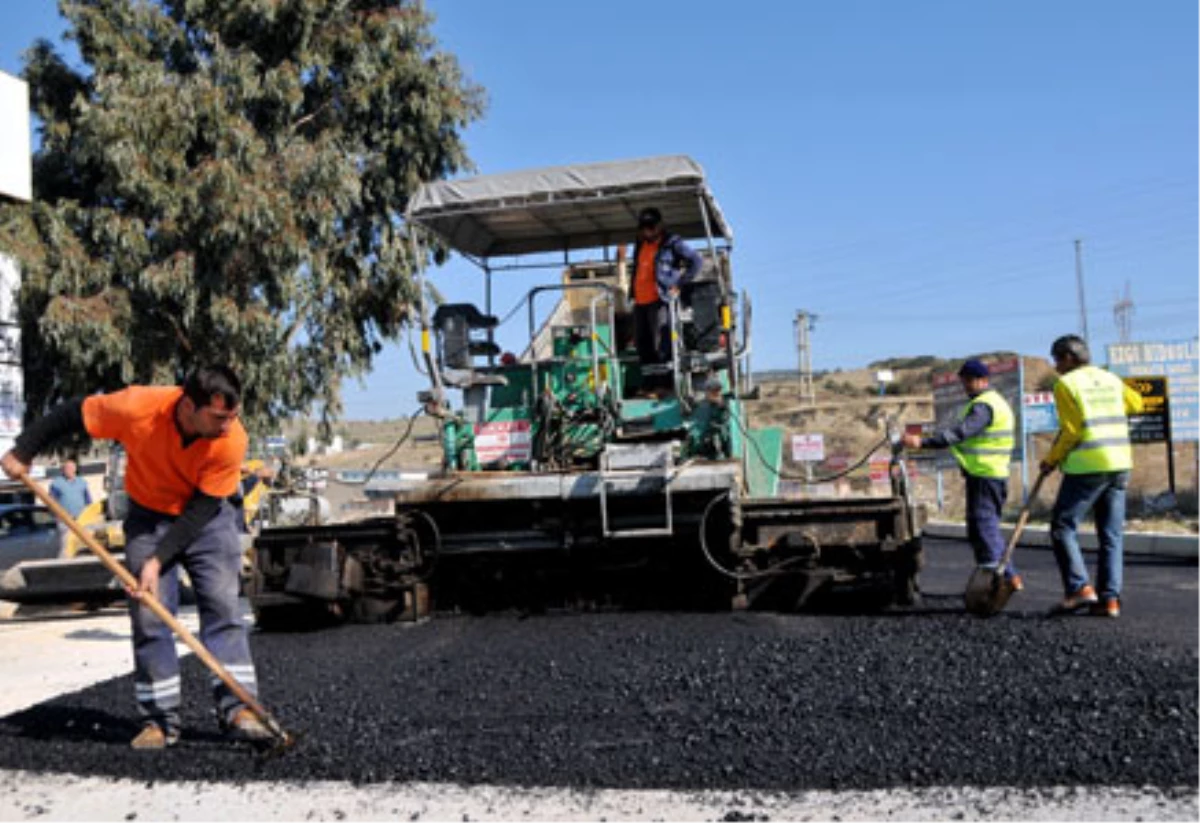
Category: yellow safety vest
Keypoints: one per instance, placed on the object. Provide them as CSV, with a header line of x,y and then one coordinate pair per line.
x,y
987,453
1104,440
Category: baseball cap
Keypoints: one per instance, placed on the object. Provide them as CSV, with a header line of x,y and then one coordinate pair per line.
x,y
974,368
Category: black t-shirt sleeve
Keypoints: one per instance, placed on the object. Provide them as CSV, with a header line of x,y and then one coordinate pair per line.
x,y
196,514
63,420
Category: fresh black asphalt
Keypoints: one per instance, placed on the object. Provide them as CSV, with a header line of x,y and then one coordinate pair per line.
x,y
926,696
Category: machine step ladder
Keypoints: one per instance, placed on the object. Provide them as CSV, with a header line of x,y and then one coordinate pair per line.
x,y
632,463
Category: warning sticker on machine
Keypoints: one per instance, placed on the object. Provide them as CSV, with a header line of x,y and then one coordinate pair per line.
x,y
505,441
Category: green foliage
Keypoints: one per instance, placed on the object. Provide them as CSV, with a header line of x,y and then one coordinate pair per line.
x,y
224,183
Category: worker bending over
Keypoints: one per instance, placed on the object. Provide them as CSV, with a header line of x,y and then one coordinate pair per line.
x,y
185,448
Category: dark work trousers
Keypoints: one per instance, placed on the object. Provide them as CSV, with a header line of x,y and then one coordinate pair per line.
x,y
985,501
652,326
213,562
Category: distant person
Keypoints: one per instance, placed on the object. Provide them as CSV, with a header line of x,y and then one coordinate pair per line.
x,y
982,442
1094,453
185,447
663,263
71,491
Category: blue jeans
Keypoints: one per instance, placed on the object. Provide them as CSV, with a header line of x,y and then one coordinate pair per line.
x,y
1104,494
213,562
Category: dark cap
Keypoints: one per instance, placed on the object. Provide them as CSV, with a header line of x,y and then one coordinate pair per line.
x,y
649,216
974,368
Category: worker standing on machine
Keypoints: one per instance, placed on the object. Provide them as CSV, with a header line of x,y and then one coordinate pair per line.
x,y
982,442
663,263
185,448
1093,450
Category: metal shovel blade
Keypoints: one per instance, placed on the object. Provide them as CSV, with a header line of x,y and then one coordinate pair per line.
x,y
988,590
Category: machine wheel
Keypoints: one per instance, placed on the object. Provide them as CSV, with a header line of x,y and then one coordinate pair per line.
x,y
373,609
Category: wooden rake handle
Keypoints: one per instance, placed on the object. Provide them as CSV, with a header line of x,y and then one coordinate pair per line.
x,y
149,601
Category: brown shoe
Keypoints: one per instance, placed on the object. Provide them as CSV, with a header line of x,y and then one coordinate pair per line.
x,y
1016,583
245,726
152,736
1109,607
1086,596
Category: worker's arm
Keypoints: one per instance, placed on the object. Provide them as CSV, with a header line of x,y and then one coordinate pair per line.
x,y
1133,402
692,261
1070,427
976,421
63,420
195,516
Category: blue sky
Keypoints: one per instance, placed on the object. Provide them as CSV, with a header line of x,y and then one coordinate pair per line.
x,y
915,173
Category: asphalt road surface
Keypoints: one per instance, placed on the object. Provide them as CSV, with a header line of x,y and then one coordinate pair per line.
x,y
923,697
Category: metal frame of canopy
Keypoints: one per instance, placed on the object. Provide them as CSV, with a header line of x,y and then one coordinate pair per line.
x,y
562,208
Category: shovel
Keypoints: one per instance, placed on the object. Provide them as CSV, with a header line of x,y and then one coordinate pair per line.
x,y
988,589
283,740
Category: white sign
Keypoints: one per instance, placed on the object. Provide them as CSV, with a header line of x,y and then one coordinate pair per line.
x,y
16,175
505,441
808,448
885,376
12,376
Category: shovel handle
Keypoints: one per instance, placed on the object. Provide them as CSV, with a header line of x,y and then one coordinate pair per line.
x,y
1022,519
151,602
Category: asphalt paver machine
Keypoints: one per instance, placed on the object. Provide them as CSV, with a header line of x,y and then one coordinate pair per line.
x,y
564,481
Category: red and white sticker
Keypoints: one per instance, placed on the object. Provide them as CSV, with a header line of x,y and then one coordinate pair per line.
x,y
506,441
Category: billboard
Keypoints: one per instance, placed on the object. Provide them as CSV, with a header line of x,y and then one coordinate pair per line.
x,y
1151,425
16,175
949,399
1179,362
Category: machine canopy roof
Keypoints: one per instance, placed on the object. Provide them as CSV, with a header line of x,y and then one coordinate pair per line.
x,y
566,207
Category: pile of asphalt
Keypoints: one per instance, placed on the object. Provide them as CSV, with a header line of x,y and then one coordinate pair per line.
x,y
718,701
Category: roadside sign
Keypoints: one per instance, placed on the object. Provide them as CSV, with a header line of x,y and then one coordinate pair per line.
x,y
1153,424
1179,362
808,448
1040,413
837,462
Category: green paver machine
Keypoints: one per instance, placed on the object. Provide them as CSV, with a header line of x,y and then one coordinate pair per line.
x,y
563,480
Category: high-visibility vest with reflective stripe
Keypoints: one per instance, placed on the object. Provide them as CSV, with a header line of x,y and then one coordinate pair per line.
x,y
987,453
1104,441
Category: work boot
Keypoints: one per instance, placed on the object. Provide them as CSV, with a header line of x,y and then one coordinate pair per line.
x,y
152,736
1086,596
246,727
1108,607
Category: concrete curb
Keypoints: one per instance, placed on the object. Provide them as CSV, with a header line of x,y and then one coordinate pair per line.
x,y
1157,544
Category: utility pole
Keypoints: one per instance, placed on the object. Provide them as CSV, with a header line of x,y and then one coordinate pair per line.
x,y
803,325
1123,314
1079,283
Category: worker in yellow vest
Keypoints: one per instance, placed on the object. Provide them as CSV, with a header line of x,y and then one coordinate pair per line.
x,y
1094,453
982,442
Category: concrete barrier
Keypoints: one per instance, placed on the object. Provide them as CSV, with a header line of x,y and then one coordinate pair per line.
x,y
1156,544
